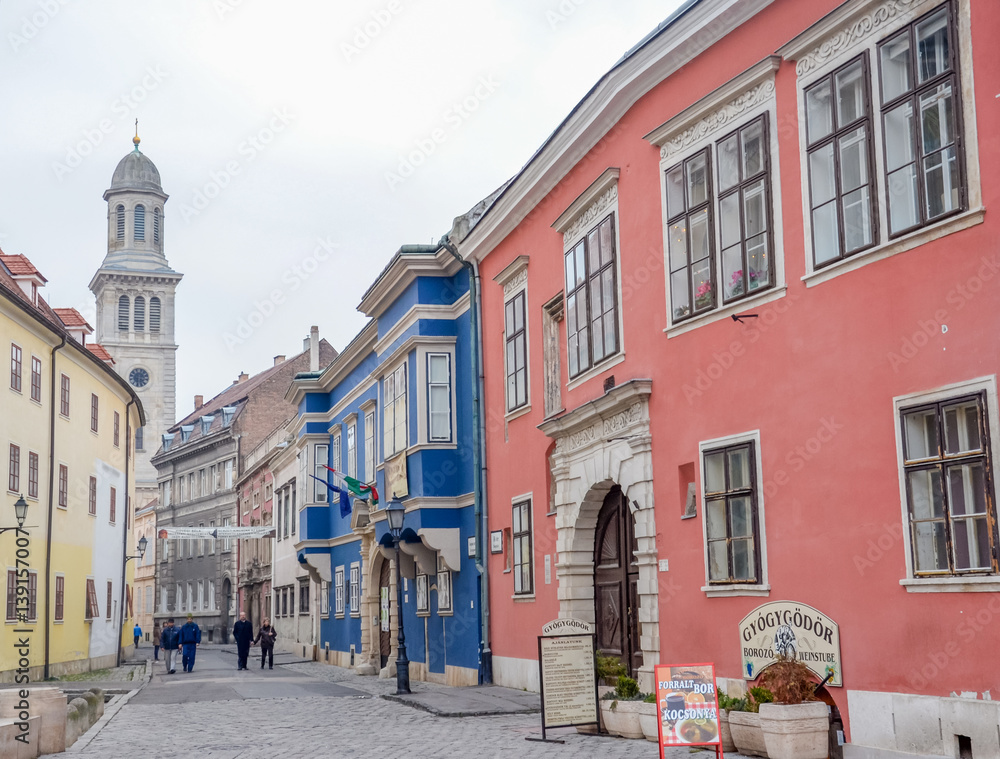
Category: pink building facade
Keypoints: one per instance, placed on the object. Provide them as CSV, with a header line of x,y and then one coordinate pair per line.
x,y
740,356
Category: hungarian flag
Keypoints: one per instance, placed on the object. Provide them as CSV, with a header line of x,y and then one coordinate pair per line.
x,y
345,498
357,488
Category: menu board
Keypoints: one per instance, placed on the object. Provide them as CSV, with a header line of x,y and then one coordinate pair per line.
x,y
569,683
688,705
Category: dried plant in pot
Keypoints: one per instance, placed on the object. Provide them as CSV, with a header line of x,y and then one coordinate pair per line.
x,y
796,725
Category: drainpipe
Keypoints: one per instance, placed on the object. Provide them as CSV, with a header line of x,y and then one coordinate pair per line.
x,y
479,464
125,522
52,475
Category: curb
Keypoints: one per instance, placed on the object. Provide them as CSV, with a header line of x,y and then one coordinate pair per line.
x,y
470,713
113,707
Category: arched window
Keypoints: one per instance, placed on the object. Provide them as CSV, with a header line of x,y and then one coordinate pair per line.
x,y
123,309
139,318
154,314
140,223
156,225
120,213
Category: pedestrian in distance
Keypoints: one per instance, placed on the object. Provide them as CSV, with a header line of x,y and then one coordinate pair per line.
x,y
266,636
243,634
136,633
170,640
156,641
190,638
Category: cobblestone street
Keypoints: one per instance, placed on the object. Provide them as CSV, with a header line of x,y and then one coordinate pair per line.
x,y
308,710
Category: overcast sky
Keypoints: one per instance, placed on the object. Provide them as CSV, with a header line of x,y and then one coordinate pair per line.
x,y
281,131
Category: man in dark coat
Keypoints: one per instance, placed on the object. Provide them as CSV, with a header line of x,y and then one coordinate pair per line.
x,y
243,634
190,638
170,639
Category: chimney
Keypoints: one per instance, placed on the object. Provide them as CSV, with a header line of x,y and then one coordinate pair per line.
x,y
199,401
314,349
279,360
243,377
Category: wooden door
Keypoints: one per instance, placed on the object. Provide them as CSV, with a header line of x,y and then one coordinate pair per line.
x,y
384,595
616,575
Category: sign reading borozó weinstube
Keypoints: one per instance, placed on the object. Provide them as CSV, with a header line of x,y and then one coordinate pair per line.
x,y
813,636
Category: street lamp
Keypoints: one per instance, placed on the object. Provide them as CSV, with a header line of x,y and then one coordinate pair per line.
x,y
394,512
141,548
20,512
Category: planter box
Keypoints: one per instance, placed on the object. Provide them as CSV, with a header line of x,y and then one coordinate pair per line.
x,y
747,735
796,731
725,732
623,720
649,718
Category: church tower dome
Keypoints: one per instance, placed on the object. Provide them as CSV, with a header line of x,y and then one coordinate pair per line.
x,y
136,172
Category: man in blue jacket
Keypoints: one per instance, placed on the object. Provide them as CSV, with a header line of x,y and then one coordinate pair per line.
x,y
169,640
190,638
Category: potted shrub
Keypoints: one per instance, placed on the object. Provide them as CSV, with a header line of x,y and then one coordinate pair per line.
x,y
745,724
728,704
620,709
796,725
649,718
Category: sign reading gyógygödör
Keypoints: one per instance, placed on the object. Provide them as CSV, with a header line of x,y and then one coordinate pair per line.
x,y
813,636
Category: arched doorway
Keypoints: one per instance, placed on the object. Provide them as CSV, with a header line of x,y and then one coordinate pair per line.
x,y
616,577
384,634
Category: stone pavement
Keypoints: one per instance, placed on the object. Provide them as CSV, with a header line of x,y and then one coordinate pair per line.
x,y
309,710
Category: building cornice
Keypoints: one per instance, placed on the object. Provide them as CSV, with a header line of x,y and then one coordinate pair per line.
x,y
402,271
422,311
616,401
589,204
356,351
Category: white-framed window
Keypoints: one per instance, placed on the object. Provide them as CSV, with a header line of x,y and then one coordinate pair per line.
x,y
179,598
394,412
338,591
423,596
352,450
439,397
201,595
324,598
211,542
946,445
522,551
229,474
321,453
355,589
338,463
733,516
227,542
444,600
370,446
190,598
516,350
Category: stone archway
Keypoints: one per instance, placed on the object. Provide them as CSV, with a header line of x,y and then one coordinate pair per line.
x,y
604,443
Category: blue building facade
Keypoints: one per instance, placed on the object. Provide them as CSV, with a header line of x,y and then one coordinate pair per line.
x,y
395,410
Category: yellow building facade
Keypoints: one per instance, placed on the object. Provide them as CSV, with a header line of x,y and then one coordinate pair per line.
x,y
67,423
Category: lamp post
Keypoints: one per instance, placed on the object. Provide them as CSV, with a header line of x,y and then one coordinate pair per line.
x,y
141,548
20,512
394,512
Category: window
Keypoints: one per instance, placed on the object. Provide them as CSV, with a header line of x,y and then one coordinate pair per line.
x,y
32,596
139,314
335,458
15,367
110,597
11,615
92,497
120,222
423,595
838,131
201,545
123,313
439,396
201,595
139,233
284,602
324,598
32,474
227,542
370,446
92,610
211,542
60,598
320,458
64,396
94,405
63,486
355,596
394,412
114,504
443,588
338,590
291,506
229,474
352,450
36,379
14,471
117,429
156,225
592,298
521,530
949,487
516,340
731,514
919,118
154,314
304,597
29,605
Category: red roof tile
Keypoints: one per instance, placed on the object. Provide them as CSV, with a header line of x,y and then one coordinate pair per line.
x,y
20,266
71,317
98,350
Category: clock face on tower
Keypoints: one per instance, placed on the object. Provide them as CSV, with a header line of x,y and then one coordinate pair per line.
x,y
138,377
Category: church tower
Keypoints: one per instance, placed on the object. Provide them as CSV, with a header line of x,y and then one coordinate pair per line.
x,y
135,304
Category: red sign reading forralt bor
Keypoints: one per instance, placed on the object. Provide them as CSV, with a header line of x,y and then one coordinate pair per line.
x,y
687,705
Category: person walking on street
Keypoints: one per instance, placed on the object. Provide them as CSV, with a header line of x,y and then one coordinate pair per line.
x,y
136,633
156,641
170,640
190,638
243,634
266,637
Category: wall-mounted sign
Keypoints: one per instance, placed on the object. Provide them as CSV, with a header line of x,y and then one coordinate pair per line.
x,y
687,705
496,541
813,636
395,477
471,547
